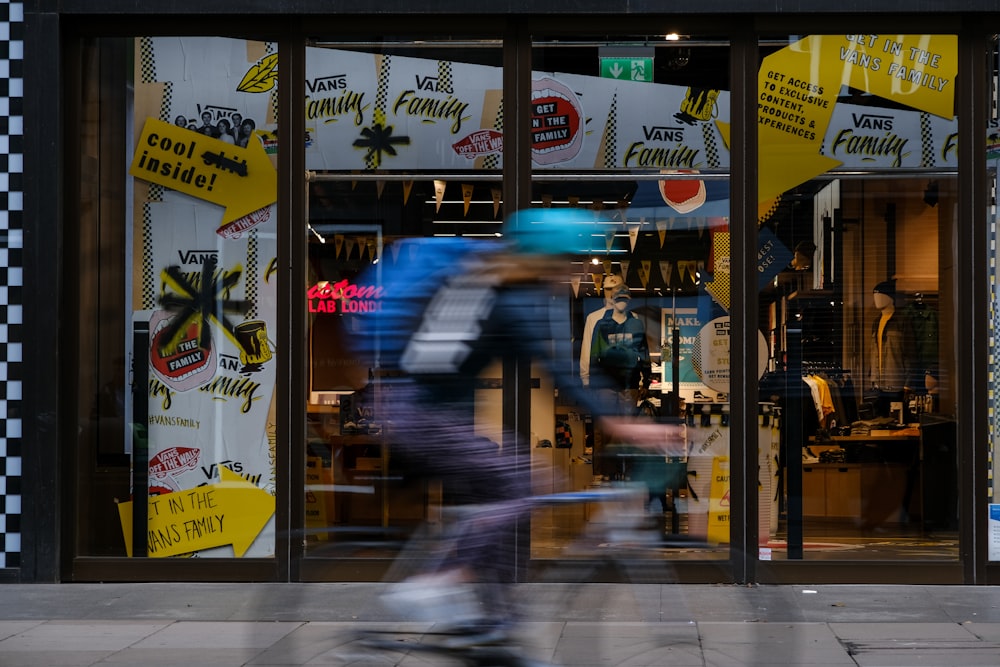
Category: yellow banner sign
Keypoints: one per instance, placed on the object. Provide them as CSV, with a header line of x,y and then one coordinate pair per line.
x,y
233,511
798,87
242,180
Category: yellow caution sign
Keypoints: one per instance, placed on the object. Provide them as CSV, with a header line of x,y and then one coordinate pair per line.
x,y
319,498
718,501
233,511
242,180
798,87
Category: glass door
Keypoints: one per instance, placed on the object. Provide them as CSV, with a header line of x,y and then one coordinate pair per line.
x,y
634,130
404,145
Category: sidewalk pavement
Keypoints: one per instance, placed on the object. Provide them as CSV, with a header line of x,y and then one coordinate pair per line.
x,y
578,625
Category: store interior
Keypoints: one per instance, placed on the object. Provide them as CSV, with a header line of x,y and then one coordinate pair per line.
x,y
854,476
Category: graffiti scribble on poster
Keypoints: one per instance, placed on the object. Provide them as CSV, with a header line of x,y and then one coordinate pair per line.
x,y
182,345
201,301
378,139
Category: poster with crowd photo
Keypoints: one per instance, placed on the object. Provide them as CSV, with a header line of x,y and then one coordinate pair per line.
x,y
203,276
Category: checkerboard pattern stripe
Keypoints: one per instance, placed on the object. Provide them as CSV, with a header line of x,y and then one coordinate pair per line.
x,y
11,263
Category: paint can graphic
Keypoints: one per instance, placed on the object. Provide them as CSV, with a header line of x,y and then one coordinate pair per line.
x,y
699,104
254,349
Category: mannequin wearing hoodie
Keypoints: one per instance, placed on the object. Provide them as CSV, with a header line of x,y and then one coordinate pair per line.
x,y
619,353
610,284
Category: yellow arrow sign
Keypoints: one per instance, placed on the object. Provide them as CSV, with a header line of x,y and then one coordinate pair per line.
x,y
916,70
242,180
232,511
798,87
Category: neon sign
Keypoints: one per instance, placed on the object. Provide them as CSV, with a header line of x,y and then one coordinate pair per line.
x,y
344,297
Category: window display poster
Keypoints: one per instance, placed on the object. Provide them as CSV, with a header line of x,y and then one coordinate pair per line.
x,y
204,274
383,111
800,85
370,111
689,315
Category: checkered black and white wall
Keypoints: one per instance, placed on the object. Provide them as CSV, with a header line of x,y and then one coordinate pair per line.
x,y
11,174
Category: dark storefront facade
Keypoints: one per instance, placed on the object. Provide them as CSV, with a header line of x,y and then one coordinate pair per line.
x,y
798,221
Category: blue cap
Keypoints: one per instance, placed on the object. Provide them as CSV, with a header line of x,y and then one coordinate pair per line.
x,y
551,231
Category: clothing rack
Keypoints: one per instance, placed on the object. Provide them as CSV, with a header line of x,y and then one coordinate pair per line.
x,y
845,403
829,367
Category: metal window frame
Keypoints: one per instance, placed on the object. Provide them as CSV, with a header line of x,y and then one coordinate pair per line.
x,y
51,39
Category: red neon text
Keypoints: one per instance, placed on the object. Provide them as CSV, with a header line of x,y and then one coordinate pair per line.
x,y
324,297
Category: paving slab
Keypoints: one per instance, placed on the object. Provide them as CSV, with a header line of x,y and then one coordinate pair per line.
x,y
896,631
968,657
80,635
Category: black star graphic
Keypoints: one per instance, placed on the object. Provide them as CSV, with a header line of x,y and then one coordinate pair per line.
x,y
202,304
378,139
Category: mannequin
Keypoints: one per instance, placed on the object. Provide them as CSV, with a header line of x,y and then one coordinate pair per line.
x,y
619,353
802,260
609,285
622,372
890,351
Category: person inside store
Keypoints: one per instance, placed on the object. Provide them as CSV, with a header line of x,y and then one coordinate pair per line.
x,y
610,284
453,307
891,351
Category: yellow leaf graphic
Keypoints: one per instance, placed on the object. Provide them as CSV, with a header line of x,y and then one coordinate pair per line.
x,y
261,77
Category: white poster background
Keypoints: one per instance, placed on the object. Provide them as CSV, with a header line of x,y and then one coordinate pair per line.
x,y
199,75
220,414
415,109
429,111
878,138
448,115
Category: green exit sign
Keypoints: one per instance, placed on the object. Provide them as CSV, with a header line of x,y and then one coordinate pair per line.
x,y
627,69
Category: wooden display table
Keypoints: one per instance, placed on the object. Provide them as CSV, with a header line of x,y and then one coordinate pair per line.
x,y
879,491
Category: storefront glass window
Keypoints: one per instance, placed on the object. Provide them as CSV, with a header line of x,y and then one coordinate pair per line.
x,y
635,131
184,464
857,207
102,466
404,143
